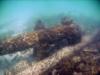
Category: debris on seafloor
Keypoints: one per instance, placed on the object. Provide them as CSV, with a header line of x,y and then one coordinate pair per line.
x,y
43,41
86,62
74,60
42,67
96,40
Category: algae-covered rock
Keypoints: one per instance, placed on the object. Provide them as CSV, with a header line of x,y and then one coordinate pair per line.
x,y
43,41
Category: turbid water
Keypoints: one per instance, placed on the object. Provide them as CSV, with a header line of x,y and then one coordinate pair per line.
x,y
19,16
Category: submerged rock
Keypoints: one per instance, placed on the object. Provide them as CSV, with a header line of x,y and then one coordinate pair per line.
x,y
43,41
65,62
39,25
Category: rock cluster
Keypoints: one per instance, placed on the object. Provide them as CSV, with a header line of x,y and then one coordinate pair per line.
x,y
85,62
44,41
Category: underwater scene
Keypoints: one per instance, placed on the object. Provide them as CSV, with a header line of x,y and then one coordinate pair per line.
x,y
49,37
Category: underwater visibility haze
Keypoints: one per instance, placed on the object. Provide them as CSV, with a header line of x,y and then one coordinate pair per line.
x,y
17,15
20,16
